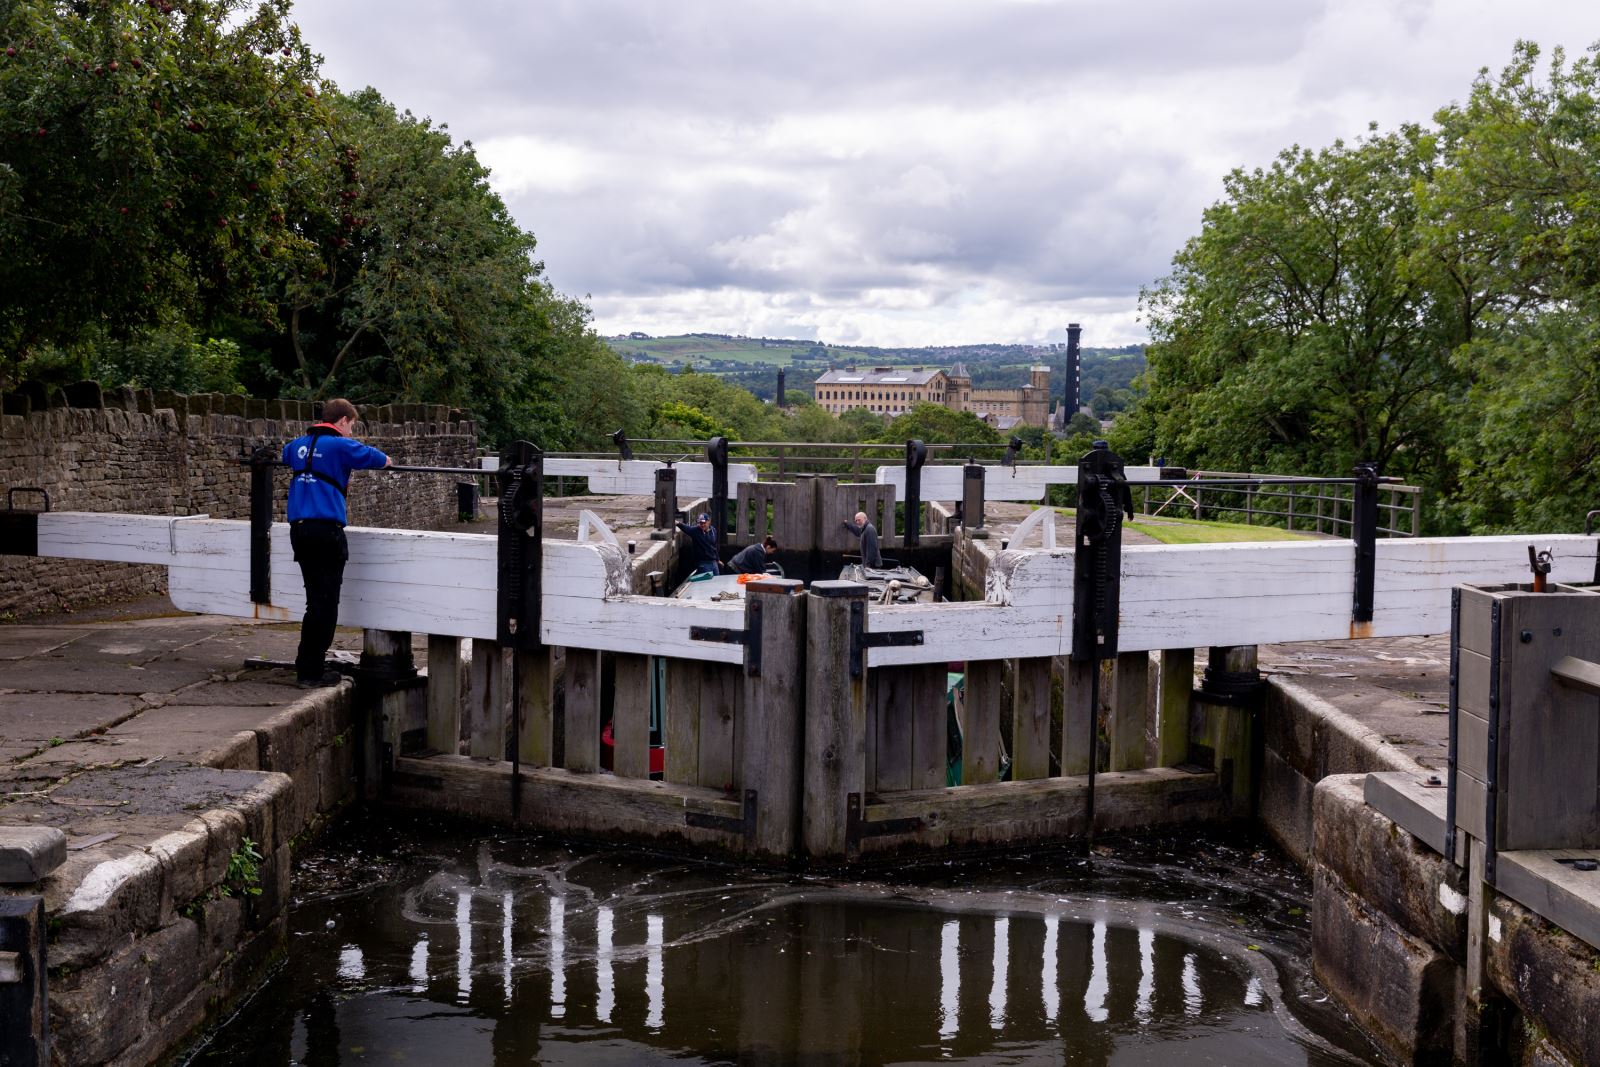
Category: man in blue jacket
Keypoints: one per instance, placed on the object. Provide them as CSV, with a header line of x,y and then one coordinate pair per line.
x,y
702,545
320,464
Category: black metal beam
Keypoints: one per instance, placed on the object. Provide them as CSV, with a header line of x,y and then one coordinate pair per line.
x,y
521,547
1364,530
262,460
749,637
916,456
861,640
717,456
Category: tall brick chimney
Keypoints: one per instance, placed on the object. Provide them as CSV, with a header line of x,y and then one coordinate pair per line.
x,y
1071,399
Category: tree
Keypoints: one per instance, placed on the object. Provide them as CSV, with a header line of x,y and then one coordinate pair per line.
x,y
1514,217
413,274
146,153
1299,331
1082,423
936,424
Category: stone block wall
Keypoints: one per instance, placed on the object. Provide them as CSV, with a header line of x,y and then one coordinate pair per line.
x,y
170,454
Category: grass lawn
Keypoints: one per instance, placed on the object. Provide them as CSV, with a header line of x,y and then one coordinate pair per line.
x,y
1175,531
702,349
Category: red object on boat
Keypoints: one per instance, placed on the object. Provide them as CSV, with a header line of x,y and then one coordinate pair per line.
x,y
658,753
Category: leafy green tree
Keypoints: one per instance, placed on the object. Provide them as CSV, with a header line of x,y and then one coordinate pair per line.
x,y
1514,218
416,274
146,154
177,359
1082,423
1299,331
859,424
936,424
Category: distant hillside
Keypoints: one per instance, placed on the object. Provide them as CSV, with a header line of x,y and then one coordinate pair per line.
x,y
752,362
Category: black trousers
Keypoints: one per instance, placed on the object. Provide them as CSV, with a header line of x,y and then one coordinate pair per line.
x,y
321,551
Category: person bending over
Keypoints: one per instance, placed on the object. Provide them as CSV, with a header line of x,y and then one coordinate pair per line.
x,y
870,556
702,544
753,559
321,462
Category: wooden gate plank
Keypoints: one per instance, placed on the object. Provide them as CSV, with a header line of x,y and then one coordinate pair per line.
x,y
1030,725
630,716
980,742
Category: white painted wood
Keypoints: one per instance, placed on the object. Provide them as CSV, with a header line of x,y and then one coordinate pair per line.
x,y
637,477
1172,596
944,481
424,582
972,630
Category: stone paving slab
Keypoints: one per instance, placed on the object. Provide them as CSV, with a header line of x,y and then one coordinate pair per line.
x,y
23,642
29,720
1398,687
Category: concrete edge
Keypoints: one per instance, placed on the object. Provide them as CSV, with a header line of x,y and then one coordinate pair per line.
x,y
1375,744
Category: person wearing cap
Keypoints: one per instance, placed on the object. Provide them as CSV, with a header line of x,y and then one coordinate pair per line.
x,y
321,462
752,559
870,556
702,544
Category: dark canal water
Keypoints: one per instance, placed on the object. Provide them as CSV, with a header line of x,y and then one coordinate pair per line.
x,y
415,943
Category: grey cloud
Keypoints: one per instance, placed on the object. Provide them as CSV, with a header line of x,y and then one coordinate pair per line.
x,y
789,156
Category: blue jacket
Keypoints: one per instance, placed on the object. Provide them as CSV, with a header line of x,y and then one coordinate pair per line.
x,y
318,492
703,543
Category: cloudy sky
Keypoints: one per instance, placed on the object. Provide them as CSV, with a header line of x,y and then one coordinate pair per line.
x,y
899,172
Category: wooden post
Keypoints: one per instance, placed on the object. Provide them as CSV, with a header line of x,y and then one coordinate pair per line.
x,y
771,732
1176,675
536,686
681,722
25,1035
720,689
486,701
1030,721
444,694
1130,687
1289,523
980,734
583,710
1233,727
386,659
836,719
1077,685
630,716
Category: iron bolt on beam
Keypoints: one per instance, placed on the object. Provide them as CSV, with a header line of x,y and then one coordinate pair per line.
x,y
749,637
861,640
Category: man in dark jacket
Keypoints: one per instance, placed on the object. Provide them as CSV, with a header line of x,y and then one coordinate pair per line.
x,y
870,556
752,559
702,544
321,462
